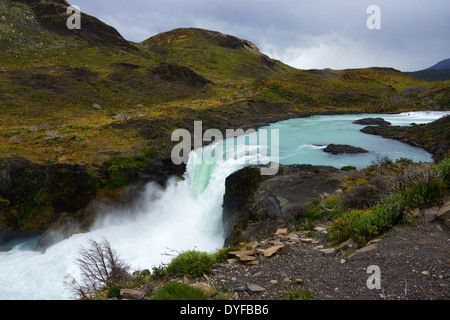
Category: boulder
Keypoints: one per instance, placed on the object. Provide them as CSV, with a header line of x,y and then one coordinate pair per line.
x,y
430,214
343,149
132,294
444,212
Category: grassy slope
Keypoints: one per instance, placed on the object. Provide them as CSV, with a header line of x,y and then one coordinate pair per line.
x,y
49,82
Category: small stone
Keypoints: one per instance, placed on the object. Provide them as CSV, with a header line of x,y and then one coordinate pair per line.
x,y
245,258
273,282
425,273
298,281
203,286
287,280
327,251
255,288
96,106
281,231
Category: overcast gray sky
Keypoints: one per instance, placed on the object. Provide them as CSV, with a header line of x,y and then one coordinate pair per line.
x,y
314,34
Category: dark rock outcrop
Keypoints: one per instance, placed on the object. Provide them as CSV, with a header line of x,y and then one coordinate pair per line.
x,y
372,122
343,149
58,200
174,73
255,206
52,15
34,195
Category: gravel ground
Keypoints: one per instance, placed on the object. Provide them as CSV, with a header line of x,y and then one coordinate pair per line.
x,y
413,264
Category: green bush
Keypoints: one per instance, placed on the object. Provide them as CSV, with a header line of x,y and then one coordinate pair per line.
x,y
179,291
140,277
362,225
191,263
114,291
424,194
317,211
380,219
342,228
223,253
443,169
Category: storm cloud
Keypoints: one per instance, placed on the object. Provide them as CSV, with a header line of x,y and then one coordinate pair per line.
x,y
305,34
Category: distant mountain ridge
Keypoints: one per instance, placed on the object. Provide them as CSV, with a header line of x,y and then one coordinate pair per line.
x,y
438,72
444,64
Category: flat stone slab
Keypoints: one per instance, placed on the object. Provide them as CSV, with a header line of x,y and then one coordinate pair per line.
x,y
255,288
271,251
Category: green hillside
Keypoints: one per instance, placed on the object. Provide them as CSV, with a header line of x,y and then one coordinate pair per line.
x,y
80,96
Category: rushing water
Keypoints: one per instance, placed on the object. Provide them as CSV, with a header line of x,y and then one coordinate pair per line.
x,y
187,214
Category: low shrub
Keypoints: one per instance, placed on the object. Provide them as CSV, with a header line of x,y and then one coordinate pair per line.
x,y
114,292
380,219
191,263
223,253
316,211
179,291
342,228
424,194
363,225
361,197
443,169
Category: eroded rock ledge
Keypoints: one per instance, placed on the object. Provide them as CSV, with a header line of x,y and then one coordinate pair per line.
x,y
255,206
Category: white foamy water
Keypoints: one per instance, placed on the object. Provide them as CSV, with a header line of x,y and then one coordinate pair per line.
x,y
187,214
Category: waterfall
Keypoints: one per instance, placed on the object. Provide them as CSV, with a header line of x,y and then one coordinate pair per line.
x,y
187,213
